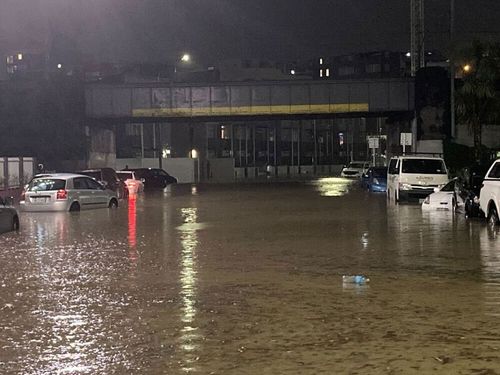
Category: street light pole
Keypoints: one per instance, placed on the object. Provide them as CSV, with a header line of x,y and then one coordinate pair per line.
x,y
452,70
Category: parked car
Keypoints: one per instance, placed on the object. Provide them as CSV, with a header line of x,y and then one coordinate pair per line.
x,y
9,219
355,169
154,177
375,179
108,178
135,185
489,196
415,177
450,197
66,192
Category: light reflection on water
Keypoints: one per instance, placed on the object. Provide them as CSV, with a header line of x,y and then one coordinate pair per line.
x,y
490,258
189,340
333,186
69,305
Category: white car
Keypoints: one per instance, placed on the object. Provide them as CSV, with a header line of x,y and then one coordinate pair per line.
x,y
489,196
9,220
134,184
355,169
446,198
66,192
415,177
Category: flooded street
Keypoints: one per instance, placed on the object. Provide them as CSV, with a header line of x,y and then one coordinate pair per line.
x,y
247,279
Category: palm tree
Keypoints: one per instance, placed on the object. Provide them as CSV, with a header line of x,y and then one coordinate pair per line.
x,y
478,100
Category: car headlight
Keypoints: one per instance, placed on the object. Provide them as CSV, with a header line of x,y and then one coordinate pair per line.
x,y
405,187
427,200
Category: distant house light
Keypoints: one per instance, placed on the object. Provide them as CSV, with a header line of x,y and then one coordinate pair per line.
x,y
19,56
59,66
292,72
10,59
408,54
320,61
327,72
321,72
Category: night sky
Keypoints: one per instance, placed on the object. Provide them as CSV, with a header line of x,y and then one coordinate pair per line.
x,y
159,30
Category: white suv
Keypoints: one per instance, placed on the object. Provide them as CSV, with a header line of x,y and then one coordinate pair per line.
x,y
489,196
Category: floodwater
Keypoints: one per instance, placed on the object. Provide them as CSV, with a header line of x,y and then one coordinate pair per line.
x,y
247,279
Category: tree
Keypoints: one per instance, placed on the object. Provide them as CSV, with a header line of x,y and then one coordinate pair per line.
x,y
478,99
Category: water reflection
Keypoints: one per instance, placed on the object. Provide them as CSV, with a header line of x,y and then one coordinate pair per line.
x,y
188,280
490,259
332,186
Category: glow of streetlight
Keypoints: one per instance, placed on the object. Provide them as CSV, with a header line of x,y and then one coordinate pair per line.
x,y
186,58
467,68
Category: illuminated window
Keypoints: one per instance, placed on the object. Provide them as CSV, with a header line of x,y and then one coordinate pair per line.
x,y
224,132
321,61
327,72
10,59
19,56
321,72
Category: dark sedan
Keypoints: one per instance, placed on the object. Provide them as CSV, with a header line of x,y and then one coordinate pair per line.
x,y
154,178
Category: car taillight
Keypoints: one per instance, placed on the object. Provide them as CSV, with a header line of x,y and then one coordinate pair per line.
x,y
62,194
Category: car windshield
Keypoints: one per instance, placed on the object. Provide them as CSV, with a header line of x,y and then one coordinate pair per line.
x,y
125,175
424,166
46,184
356,165
379,172
450,186
94,174
495,171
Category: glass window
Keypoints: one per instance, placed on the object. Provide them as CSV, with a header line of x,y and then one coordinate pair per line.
x,y
495,171
125,175
379,172
93,184
423,166
80,183
393,166
450,186
46,184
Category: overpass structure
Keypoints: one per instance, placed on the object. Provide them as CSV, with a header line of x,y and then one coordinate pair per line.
x,y
238,100
240,128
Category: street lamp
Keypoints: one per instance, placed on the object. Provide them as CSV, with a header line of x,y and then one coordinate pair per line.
x,y
186,58
467,68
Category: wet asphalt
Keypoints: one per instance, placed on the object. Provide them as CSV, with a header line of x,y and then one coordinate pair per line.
x,y
247,279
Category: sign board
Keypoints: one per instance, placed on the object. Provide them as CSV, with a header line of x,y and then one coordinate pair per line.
x,y
406,139
373,142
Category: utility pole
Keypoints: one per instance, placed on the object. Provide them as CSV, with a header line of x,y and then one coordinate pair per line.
x,y
417,50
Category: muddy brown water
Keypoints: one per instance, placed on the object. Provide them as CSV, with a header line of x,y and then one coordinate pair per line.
x,y
247,279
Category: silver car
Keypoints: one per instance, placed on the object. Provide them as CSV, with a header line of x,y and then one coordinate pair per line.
x,y
9,220
66,192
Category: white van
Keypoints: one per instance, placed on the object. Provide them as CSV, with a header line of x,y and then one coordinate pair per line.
x,y
415,177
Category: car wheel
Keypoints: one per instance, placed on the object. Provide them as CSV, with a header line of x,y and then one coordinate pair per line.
x,y
113,203
493,216
15,223
75,207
